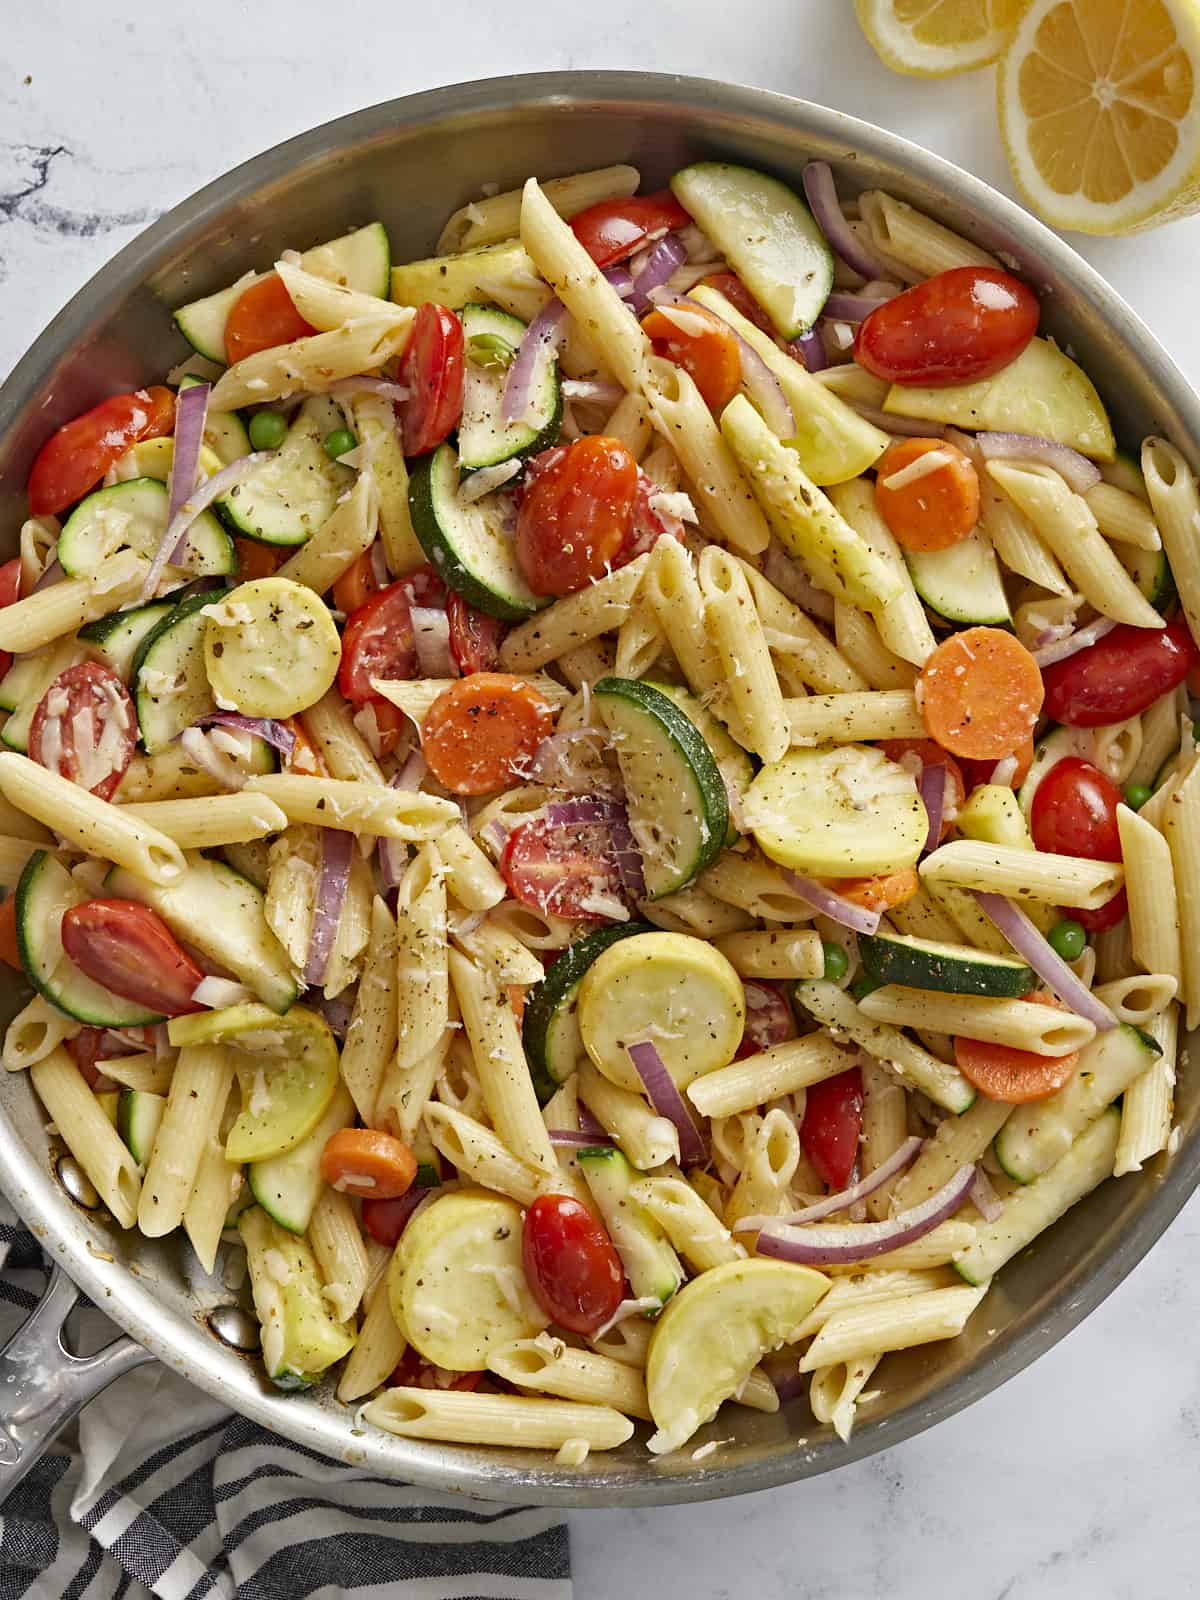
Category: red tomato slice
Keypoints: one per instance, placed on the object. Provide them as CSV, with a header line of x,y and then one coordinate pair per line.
x,y
474,637
571,1267
649,525
576,515
432,371
262,317
1074,813
740,298
10,592
1120,675
613,229
928,753
1106,916
414,1372
85,728
559,871
831,1126
129,949
378,642
74,459
956,327
769,1019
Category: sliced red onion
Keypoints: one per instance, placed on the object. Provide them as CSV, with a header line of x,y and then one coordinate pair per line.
x,y
209,490
1049,966
53,574
548,764
1075,470
662,259
540,339
337,850
932,784
621,279
852,307
984,1198
784,1372
412,774
598,391
573,1138
591,1125
1081,639
1052,634
843,1242
276,734
811,349
896,1162
667,1101
496,834
191,412
431,633
581,813
917,427
337,1013
834,906
364,385
790,578
628,856
821,194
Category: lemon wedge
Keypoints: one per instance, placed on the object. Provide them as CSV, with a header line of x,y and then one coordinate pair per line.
x,y
935,38
1099,109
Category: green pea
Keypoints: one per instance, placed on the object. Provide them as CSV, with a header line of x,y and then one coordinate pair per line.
x,y
864,986
837,962
1067,939
1136,795
338,442
267,430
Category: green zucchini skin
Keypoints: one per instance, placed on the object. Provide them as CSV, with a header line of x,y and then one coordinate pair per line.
x,y
950,969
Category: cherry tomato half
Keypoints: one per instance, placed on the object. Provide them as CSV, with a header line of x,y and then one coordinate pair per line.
x,y
613,229
832,1124
10,949
129,949
769,1019
562,872
572,1269
1074,813
10,593
956,327
386,1220
414,1372
74,459
474,637
1120,675
576,515
378,642
432,371
704,346
261,317
85,728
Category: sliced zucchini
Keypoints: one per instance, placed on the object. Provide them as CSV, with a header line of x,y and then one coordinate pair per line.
x,y
170,686
359,260
714,1333
27,681
271,648
251,859
1039,1134
221,913
1042,392
734,764
484,438
651,1265
675,990
1029,1211
117,638
678,807
300,1338
1050,750
961,583
467,543
45,890
1151,571
133,516
138,1116
457,1284
551,1025
224,431
949,968
288,1186
835,813
457,280
288,498
768,236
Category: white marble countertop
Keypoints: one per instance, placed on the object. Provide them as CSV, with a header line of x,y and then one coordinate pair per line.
x,y
1081,1478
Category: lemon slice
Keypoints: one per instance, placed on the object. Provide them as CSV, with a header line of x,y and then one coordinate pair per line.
x,y
1100,112
934,38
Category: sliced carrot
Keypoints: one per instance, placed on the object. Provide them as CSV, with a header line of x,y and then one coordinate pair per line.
x,y
479,730
304,758
365,1162
927,492
882,893
699,342
980,693
9,953
515,993
257,560
1015,1076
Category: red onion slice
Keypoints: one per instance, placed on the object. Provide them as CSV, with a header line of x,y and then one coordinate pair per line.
x,y
595,391
916,427
275,733
431,634
1045,961
834,906
896,1162
581,813
628,856
211,489
337,849
591,1125
784,1372
361,384
53,574
412,774
550,764
668,1102
664,258
984,1198
1075,470
621,279
540,340
191,411
821,194
838,1243
337,1013
852,307
574,1139
1081,639
932,784
811,349
790,578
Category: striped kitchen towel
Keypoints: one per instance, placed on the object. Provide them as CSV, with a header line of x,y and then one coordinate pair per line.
x,y
160,1491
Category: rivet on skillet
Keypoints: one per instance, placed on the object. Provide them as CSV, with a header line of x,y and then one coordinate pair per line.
x,y
235,1327
77,1183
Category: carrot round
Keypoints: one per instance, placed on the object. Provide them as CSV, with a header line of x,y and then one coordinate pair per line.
x,y
479,730
364,1162
980,693
1014,1076
927,492
882,893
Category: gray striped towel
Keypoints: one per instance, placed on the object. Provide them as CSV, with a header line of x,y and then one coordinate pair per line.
x,y
160,1491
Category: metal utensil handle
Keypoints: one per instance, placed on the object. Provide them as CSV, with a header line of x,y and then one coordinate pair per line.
x,y
42,1385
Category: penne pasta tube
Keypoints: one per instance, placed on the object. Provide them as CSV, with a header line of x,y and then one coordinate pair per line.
x,y
1175,501
470,876
791,953
216,1185
935,1249
884,1130
859,640
507,1419
1123,517
1147,1103
833,1392
422,981
498,216
339,541
16,826
891,1325
845,718
692,1228
796,639
340,745
326,305
1008,870
199,1091
869,1287
646,1138
908,235
673,595
484,1156
88,1134
958,1140
627,1341
1137,998
630,423
36,1029
146,1071
377,1350
552,1367
1153,902
903,626
496,949
1181,826
370,1041
573,621
356,807
64,607
1006,527
215,820
1021,1024
313,363
337,1243
733,624
375,426
781,1069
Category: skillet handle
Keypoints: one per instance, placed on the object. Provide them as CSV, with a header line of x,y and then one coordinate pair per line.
x,y
43,1386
